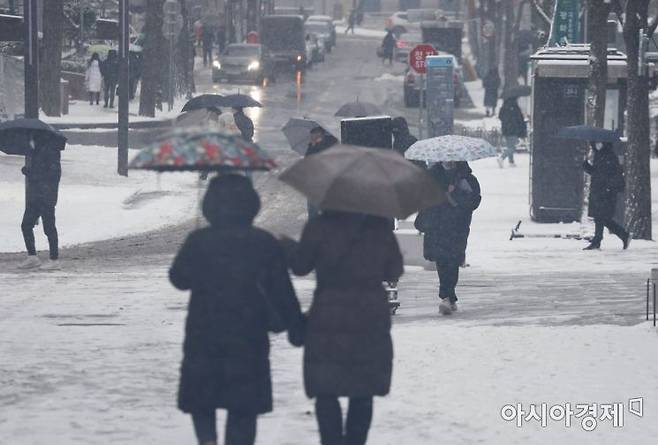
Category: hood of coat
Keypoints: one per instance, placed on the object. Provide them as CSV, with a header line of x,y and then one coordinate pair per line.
x,y
400,126
231,200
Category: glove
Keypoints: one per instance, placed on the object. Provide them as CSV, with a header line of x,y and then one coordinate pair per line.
x,y
25,171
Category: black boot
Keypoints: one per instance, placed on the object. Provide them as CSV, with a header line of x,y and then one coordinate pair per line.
x,y
593,245
626,239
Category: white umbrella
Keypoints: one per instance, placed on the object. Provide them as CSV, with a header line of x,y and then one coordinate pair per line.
x,y
450,148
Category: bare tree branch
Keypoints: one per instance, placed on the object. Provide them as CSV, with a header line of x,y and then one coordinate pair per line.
x,y
542,13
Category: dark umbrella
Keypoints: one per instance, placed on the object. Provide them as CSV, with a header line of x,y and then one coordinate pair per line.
x,y
364,180
587,133
298,133
18,136
358,109
518,91
239,101
208,101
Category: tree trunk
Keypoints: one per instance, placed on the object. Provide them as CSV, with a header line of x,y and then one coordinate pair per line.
x,y
51,61
153,58
637,156
513,15
598,78
185,54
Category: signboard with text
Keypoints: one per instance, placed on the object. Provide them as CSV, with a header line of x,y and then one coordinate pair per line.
x,y
440,95
417,57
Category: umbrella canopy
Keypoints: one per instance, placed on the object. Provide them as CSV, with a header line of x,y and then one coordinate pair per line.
x,y
298,133
450,148
203,118
16,136
518,91
190,151
587,133
204,101
239,100
358,109
364,180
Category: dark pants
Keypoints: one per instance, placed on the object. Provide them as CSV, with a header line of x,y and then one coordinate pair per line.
x,y
33,211
110,92
207,56
93,96
601,223
330,420
448,278
240,428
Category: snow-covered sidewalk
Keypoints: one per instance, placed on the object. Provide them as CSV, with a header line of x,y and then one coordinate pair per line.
x,y
94,202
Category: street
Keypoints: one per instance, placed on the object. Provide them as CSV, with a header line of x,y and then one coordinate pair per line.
x,y
91,352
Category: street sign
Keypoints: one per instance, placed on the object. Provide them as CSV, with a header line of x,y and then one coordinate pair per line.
x,y
440,95
172,21
566,24
417,57
171,7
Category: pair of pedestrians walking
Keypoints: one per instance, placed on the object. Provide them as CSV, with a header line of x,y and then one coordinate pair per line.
x,y
241,290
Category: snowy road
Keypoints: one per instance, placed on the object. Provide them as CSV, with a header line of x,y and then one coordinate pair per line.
x,y
90,354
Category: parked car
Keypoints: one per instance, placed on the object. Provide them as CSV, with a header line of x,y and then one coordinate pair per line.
x,y
242,61
321,30
284,41
404,44
324,19
404,21
411,85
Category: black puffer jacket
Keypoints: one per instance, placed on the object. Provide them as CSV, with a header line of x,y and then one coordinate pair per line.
x,y
446,227
607,182
512,121
402,138
240,287
43,173
348,349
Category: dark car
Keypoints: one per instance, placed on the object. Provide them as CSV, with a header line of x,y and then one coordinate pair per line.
x,y
242,62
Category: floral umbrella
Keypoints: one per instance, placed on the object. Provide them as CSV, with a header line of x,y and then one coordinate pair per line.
x,y
450,148
213,151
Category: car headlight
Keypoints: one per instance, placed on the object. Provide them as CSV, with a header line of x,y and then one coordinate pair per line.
x,y
253,66
217,65
299,57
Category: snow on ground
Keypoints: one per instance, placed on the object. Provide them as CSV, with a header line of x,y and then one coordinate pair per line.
x,y
100,365
94,202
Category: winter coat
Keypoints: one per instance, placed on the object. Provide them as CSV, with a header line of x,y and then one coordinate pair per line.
x,y
93,77
245,125
446,227
491,84
240,285
388,44
110,69
348,349
402,138
607,182
43,173
327,142
512,120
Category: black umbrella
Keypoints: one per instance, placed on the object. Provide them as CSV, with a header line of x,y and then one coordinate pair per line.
x,y
18,137
518,91
208,101
358,109
587,133
239,101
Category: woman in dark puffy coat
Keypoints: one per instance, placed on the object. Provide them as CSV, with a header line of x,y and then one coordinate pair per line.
x,y
607,182
446,227
402,137
240,290
348,350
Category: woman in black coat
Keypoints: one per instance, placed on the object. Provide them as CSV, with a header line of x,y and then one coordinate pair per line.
x,y
513,128
402,137
446,227
607,182
388,44
240,290
348,349
491,84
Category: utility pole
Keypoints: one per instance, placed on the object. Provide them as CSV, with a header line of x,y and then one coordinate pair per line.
x,y
31,57
124,86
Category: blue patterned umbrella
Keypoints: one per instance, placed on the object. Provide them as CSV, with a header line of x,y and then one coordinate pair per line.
x,y
450,148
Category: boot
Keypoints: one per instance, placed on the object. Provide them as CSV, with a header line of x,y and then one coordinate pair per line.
x,y
626,239
593,245
445,308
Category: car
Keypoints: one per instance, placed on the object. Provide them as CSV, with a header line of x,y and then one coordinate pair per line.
x,y
404,44
321,30
405,21
411,86
325,19
242,61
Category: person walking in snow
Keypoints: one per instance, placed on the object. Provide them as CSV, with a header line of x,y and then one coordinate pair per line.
x,y
351,22
240,290
110,72
513,128
446,227
607,182
491,84
42,172
208,37
388,44
93,79
402,137
348,350
244,123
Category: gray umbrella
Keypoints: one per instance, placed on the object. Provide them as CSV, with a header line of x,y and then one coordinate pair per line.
x,y
298,133
364,180
358,109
